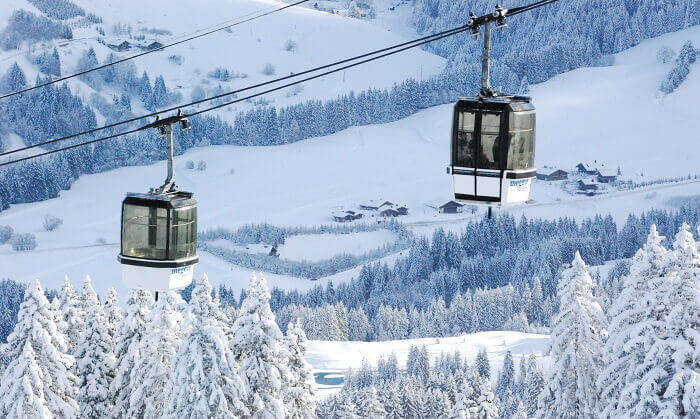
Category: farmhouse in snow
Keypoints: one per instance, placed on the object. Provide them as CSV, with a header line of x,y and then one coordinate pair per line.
x,y
551,174
587,185
452,207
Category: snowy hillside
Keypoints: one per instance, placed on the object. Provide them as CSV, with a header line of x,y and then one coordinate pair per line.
x,y
290,41
306,182
334,359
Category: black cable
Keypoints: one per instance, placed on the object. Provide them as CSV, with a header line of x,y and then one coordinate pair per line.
x,y
335,70
71,146
430,38
172,109
38,86
518,10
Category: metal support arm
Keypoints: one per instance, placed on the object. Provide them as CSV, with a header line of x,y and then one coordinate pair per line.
x,y
165,126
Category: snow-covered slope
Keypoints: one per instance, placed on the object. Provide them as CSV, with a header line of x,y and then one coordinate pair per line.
x,y
304,183
319,37
337,357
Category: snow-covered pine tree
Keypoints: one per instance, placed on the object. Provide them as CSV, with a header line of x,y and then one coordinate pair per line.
x,y
370,406
113,313
391,401
46,361
520,412
72,315
344,408
485,403
578,334
669,385
22,388
257,346
506,378
482,365
534,383
95,357
127,347
628,340
205,381
465,405
299,394
153,369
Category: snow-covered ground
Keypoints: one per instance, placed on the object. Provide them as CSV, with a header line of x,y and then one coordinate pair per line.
x,y
316,247
337,357
320,38
580,116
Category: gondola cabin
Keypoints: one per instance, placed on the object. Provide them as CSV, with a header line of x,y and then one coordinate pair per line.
x,y
158,240
493,150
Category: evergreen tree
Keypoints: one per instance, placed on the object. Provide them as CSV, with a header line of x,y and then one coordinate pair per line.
x,y
485,403
72,315
299,397
392,402
127,347
507,377
95,357
146,92
520,412
344,408
13,80
37,350
205,380
369,406
534,384
482,364
113,313
22,388
576,346
257,346
153,369
669,385
160,93
629,342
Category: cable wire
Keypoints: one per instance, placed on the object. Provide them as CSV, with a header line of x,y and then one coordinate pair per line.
x,y
429,39
131,57
233,92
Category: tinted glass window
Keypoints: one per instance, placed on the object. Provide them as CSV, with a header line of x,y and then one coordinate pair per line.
x,y
465,140
183,233
521,155
490,127
144,232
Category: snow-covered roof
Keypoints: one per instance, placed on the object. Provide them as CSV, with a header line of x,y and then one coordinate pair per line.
x,y
546,171
608,172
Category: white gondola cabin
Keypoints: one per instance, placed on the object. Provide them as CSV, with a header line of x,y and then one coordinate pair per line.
x,y
493,150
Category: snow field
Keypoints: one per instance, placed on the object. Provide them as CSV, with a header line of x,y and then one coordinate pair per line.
x,y
336,357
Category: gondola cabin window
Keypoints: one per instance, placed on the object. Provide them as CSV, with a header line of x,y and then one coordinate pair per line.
x,y
521,153
490,130
183,234
465,139
144,233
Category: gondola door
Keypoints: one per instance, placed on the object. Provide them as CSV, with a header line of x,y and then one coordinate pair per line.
x,y
463,158
487,154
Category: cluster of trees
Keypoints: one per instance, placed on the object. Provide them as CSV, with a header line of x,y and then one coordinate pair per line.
x,y
275,235
448,387
49,63
80,356
553,39
681,69
505,268
641,359
504,308
58,9
24,26
303,269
